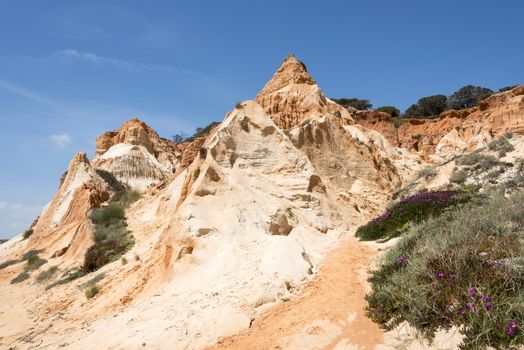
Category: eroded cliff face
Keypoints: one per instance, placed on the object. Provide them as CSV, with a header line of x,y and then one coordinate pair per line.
x,y
455,131
63,229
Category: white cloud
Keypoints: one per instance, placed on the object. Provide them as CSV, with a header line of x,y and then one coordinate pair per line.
x,y
3,205
61,140
73,55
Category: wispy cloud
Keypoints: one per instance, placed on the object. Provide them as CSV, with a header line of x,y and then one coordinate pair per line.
x,y
74,55
34,96
61,140
16,217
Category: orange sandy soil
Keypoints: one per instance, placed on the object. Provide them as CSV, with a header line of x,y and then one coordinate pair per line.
x,y
327,314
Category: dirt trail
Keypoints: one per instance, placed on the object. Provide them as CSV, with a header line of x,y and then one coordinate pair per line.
x,y
327,314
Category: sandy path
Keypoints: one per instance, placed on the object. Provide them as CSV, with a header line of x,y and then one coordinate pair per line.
x,y
327,314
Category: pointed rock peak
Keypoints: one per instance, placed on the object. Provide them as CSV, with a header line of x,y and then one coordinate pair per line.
x,y
133,131
80,157
292,71
292,95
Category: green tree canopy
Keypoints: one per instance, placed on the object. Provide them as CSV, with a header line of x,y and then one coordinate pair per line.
x,y
353,102
468,96
392,111
428,106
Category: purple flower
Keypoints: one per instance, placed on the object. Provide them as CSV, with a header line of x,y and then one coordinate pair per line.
x,y
472,291
510,331
470,305
485,298
488,306
402,260
430,277
462,312
453,276
442,274
512,324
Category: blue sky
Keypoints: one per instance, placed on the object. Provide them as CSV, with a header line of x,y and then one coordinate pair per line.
x,y
70,71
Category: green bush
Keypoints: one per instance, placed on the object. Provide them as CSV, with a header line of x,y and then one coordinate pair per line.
x,y
479,161
47,274
31,253
34,262
110,179
67,277
21,277
458,177
93,280
113,214
27,233
392,111
91,292
112,238
411,209
502,145
464,269
427,173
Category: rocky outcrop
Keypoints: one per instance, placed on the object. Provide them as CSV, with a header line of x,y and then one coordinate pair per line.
x,y
136,155
63,226
292,96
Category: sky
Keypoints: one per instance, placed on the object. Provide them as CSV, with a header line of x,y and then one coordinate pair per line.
x,y
71,70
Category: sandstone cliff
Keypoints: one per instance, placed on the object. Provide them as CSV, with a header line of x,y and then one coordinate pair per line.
x,y
455,131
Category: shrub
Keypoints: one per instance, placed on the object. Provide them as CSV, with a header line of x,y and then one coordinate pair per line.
x,y
479,160
31,253
411,209
502,145
93,280
427,173
201,132
458,177
202,152
507,88
113,214
110,179
34,262
126,197
463,269
353,103
91,292
244,124
110,243
27,233
47,274
21,277
392,111
67,277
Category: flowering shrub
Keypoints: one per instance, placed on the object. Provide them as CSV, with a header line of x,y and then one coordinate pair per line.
x,y
414,208
463,269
